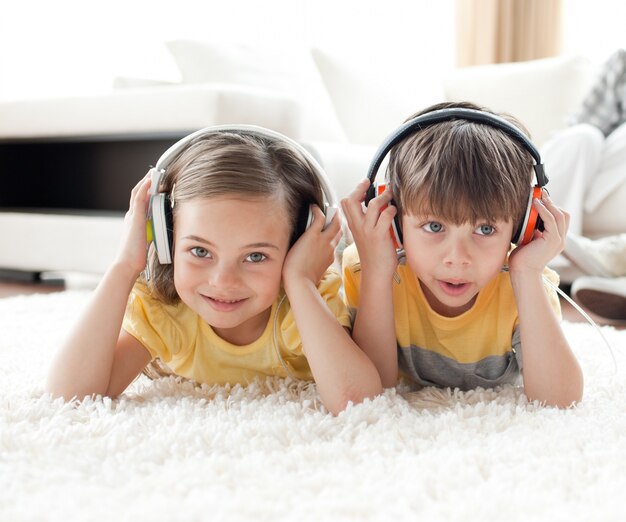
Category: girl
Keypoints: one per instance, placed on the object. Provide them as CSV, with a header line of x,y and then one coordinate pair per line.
x,y
246,293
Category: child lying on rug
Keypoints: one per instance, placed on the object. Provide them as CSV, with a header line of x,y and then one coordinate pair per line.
x,y
238,285
462,308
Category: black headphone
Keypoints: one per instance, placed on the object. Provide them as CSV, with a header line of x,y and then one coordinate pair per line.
x,y
160,219
531,221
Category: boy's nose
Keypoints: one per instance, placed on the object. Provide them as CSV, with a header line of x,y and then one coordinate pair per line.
x,y
457,253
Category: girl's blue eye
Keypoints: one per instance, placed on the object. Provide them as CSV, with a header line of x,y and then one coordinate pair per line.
x,y
200,252
485,230
433,226
256,257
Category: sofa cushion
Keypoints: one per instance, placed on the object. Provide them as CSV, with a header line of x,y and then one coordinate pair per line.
x,y
609,218
289,71
541,93
150,109
370,101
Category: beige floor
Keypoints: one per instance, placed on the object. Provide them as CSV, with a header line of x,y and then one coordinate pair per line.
x,y
11,289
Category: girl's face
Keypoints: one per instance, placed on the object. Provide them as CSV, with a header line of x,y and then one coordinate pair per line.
x,y
454,262
228,258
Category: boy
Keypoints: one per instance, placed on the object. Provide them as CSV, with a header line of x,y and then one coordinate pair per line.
x,y
462,309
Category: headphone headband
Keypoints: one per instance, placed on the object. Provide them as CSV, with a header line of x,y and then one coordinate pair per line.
x,y
440,115
531,221
161,203
253,130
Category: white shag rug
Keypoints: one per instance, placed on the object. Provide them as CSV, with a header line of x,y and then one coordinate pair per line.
x,y
167,450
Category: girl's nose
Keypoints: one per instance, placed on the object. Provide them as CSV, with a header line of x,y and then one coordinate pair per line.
x,y
224,275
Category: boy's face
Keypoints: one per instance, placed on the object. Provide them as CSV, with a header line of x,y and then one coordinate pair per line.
x,y
454,262
228,258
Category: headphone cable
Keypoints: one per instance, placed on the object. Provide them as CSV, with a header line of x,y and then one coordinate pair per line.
x,y
586,316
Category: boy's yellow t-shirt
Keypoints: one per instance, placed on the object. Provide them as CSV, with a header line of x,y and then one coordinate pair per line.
x,y
480,347
189,347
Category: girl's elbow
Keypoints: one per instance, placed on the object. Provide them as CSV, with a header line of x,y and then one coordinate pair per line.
x,y
55,387
68,392
354,395
59,391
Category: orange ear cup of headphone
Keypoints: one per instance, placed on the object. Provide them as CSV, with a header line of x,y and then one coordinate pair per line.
x,y
393,231
533,217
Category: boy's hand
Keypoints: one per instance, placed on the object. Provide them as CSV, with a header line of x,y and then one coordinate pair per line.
x,y
534,256
133,246
370,228
314,251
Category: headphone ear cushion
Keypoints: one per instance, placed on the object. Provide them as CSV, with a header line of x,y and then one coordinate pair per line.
x,y
162,227
396,231
531,222
303,221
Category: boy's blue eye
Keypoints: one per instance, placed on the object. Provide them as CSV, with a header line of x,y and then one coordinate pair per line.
x,y
200,252
433,226
256,257
485,230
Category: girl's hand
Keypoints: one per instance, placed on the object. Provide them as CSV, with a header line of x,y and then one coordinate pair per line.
x,y
370,228
314,251
133,246
534,256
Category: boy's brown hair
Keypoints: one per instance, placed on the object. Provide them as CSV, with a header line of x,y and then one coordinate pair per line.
x,y
461,171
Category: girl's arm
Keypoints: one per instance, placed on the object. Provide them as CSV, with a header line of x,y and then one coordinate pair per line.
x,y
98,358
342,372
374,325
552,374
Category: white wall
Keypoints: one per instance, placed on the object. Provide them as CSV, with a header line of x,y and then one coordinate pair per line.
x,y
594,28
74,46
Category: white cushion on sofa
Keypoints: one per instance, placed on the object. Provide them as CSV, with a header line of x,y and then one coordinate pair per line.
x,y
371,101
290,71
150,109
610,217
541,93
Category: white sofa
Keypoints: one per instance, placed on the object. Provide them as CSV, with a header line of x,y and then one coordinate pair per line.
x,y
338,109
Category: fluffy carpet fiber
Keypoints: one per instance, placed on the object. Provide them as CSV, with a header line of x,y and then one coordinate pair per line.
x,y
169,450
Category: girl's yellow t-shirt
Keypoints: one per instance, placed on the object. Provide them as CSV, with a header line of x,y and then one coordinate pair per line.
x,y
181,339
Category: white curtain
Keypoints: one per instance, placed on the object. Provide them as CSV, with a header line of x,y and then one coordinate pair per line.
x,y
496,31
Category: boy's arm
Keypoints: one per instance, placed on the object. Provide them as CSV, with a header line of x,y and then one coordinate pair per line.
x,y
552,374
97,358
342,372
374,325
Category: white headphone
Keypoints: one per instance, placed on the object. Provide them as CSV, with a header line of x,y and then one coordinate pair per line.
x,y
161,203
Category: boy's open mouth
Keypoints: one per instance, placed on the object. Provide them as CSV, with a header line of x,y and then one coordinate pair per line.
x,y
454,288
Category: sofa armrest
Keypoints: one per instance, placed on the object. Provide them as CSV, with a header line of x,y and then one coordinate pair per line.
x,y
155,109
